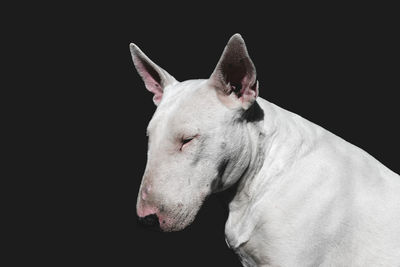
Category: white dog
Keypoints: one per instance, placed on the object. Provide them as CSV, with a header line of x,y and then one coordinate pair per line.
x,y
305,196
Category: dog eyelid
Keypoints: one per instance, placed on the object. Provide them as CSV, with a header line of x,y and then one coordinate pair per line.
x,y
186,140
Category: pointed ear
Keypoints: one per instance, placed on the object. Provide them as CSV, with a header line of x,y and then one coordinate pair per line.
x,y
235,74
154,77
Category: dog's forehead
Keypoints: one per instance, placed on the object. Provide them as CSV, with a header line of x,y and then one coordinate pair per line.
x,y
185,104
179,93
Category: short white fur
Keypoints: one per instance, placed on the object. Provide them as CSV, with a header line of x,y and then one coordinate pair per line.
x,y
305,196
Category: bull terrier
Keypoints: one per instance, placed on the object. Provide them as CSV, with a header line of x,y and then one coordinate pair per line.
x,y
305,197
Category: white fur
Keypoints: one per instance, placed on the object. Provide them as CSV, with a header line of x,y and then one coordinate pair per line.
x,y
305,196
317,200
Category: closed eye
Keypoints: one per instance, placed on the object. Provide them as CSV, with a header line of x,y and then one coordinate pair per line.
x,y
186,141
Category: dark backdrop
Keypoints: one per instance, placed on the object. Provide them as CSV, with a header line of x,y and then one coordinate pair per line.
x,y
334,65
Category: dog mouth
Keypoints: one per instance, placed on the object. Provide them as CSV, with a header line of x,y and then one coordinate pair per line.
x,y
167,218
167,222
181,216
175,222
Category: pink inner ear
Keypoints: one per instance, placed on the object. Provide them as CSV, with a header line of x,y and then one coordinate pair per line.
x,y
238,73
157,98
151,78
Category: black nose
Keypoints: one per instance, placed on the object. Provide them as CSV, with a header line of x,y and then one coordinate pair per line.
x,y
150,221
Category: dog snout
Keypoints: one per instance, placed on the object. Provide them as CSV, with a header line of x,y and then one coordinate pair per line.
x,y
145,191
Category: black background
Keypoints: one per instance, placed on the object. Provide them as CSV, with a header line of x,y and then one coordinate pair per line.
x,y
334,65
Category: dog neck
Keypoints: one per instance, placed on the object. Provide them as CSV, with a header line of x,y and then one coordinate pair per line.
x,y
276,142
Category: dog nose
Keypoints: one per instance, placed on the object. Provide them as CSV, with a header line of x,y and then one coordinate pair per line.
x,y
150,221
